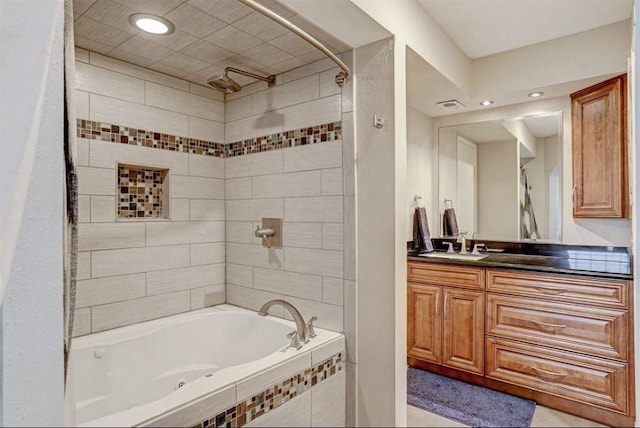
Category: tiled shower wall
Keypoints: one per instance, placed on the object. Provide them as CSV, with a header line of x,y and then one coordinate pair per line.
x,y
135,270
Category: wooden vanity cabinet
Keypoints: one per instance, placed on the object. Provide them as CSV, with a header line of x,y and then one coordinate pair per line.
x,y
446,315
599,141
563,340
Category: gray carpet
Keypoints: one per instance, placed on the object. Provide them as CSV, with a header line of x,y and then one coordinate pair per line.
x,y
470,404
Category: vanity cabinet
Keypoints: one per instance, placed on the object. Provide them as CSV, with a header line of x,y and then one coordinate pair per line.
x,y
446,316
599,137
563,340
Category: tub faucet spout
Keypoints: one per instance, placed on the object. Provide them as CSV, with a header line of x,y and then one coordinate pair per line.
x,y
297,317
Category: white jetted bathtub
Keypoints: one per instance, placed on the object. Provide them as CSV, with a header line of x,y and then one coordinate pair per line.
x,y
189,368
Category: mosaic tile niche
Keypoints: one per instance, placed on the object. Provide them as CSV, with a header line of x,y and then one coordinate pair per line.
x,y
143,192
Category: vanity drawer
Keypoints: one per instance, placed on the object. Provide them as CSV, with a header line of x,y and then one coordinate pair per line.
x,y
566,288
451,275
596,331
589,380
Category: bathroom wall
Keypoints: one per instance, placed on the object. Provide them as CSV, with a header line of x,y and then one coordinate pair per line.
x,y
421,155
31,213
133,270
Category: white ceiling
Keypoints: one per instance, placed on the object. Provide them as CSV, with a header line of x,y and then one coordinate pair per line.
x,y
479,27
210,35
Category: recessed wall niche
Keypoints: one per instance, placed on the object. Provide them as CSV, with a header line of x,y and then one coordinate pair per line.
x,y
143,192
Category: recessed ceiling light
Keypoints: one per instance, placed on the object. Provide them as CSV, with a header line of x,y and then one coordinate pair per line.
x,y
151,24
536,94
486,103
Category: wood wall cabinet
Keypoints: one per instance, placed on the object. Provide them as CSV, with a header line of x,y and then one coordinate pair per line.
x,y
599,136
446,316
565,341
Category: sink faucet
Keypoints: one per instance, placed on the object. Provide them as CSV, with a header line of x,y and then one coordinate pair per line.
x,y
297,317
463,242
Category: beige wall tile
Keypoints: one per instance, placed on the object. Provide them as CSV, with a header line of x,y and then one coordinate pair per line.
x,y
206,166
141,72
332,236
179,209
124,113
84,265
270,376
348,155
255,255
315,262
314,209
83,152
348,88
253,299
327,350
98,80
165,233
328,85
350,319
240,232
110,289
315,156
167,281
207,296
306,183
294,413
206,92
253,126
204,129
240,275
82,55
84,208
349,236
238,109
105,155
118,314
82,104
207,209
324,110
332,181
302,235
134,260
254,209
81,322
103,209
197,187
203,254
96,181
307,70
288,283
255,164
104,236
184,102
288,94
329,316
238,188
328,402
333,291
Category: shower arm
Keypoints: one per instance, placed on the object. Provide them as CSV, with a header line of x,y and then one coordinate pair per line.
x,y
340,77
271,80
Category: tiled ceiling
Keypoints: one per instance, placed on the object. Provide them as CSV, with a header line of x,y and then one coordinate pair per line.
x,y
210,35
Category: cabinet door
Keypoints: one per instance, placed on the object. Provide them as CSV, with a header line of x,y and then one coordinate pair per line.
x,y
599,134
463,336
424,323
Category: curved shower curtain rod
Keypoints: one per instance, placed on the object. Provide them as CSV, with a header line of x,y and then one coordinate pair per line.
x,y
340,77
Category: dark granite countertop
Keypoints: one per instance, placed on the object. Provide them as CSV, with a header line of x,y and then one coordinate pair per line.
x,y
600,261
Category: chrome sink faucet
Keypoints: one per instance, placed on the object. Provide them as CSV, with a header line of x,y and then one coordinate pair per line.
x,y
462,240
297,317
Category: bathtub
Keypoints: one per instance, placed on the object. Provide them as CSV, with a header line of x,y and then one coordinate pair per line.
x,y
190,368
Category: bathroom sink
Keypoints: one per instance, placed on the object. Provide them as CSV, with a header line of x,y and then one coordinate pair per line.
x,y
456,256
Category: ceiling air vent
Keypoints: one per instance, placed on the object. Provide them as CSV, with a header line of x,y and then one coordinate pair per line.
x,y
451,105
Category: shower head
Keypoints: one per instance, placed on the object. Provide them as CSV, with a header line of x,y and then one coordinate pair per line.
x,y
226,84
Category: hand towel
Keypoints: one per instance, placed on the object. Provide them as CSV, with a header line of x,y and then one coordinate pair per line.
x,y
422,226
449,223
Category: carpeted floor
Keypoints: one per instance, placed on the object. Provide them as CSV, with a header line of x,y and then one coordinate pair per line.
x,y
470,404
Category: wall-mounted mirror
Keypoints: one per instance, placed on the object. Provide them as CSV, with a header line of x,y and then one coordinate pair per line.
x,y
502,179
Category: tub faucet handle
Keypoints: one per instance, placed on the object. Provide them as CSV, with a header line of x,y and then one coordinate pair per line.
x,y
310,330
295,342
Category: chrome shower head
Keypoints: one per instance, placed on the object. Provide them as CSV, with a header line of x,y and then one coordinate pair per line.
x,y
226,84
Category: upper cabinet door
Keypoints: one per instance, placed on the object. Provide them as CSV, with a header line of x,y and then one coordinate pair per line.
x,y
599,134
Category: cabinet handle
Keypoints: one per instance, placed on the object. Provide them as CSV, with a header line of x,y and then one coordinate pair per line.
x,y
550,290
548,327
437,306
547,374
573,197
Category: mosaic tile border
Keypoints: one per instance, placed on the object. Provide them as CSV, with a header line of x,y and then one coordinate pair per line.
x,y
140,137
275,396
